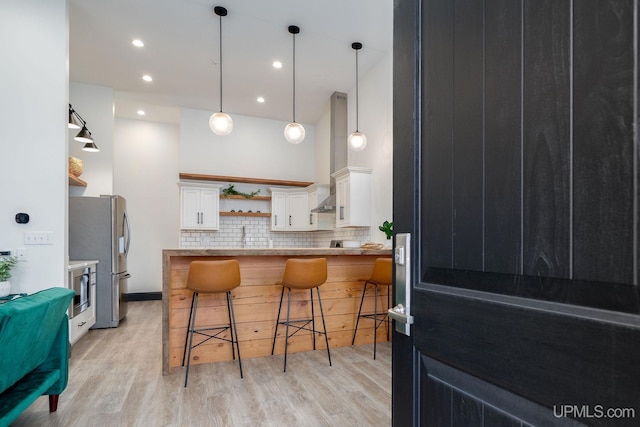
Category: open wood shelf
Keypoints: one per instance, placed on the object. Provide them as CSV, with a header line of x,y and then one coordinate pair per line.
x,y
239,197
221,178
75,181
262,214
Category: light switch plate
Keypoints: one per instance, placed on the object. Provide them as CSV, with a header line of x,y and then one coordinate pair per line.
x,y
38,237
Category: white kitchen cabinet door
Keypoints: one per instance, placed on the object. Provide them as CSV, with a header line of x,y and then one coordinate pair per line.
x,y
199,208
353,197
278,211
298,214
312,202
210,208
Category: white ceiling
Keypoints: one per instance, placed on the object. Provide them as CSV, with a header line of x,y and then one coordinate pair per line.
x,y
181,53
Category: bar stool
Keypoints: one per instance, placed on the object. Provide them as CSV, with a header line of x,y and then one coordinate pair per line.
x,y
212,277
302,273
381,276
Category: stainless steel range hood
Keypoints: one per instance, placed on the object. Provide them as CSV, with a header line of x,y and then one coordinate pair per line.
x,y
337,148
328,205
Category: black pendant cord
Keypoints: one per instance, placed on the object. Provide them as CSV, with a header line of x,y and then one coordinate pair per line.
x,y
294,78
357,94
220,63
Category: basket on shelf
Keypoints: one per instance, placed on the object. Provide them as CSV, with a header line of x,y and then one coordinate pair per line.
x,y
75,166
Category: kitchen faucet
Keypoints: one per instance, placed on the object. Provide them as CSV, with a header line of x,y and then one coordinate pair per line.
x,y
244,237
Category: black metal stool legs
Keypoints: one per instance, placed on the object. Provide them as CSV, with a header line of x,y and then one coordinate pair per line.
x,y
234,331
286,334
374,316
191,330
324,326
290,322
355,330
275,334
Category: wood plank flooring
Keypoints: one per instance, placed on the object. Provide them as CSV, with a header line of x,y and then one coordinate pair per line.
x,y
115,379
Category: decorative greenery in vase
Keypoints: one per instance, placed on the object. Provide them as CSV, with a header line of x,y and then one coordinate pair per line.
x,y
6,264
387,229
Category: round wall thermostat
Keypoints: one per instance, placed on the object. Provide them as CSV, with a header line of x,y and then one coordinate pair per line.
x,y
22,218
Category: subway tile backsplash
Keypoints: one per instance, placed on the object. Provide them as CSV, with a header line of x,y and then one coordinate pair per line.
x,y
258,235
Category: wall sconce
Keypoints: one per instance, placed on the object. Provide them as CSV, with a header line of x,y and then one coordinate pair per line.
x,y
77,122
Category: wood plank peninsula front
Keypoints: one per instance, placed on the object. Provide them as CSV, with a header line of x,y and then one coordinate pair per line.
x,y
256,301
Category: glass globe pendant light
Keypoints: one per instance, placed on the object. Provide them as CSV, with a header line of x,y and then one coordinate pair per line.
x,y
357,140
294,132
220,123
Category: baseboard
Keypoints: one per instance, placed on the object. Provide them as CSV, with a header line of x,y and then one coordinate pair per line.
x,y
144,296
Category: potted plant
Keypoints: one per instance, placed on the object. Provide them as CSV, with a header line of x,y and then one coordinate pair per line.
x,y
387,229
6,264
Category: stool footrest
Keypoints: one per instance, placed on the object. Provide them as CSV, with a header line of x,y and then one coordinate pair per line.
x,y
301,328
209,336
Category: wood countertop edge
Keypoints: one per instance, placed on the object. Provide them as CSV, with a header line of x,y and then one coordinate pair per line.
x,y
275,252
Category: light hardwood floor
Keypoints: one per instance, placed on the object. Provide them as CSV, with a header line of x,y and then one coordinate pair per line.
x,y
115,379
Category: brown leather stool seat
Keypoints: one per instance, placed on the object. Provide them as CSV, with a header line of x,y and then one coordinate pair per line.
x,y
212,277
302,273
381,276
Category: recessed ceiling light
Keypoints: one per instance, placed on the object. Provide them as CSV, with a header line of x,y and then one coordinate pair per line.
x,y
260,99
277,64
147,78
141,112
137,43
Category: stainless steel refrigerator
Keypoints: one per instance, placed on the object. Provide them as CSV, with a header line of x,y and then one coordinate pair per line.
x,y
99,230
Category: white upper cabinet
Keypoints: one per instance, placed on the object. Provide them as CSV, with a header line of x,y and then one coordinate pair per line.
x,y
298,211
289,209
278,210
353,197
199,207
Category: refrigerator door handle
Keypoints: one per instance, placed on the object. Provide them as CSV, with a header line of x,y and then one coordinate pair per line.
x,y
126,223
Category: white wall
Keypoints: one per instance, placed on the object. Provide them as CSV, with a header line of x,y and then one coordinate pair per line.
x,y
376,122
256,148
95,106
33,136
146,174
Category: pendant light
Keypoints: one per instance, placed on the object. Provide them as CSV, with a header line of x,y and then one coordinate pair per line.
x,y
294,132
220,123
357,140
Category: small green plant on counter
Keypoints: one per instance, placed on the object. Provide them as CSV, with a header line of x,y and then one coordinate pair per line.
x,y
387,229
231,191
6,264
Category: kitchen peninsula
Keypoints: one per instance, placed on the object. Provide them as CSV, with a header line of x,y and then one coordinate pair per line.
x,y
256,301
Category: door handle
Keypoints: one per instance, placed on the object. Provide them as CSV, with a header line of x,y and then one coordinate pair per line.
x,y
401,313
126,221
